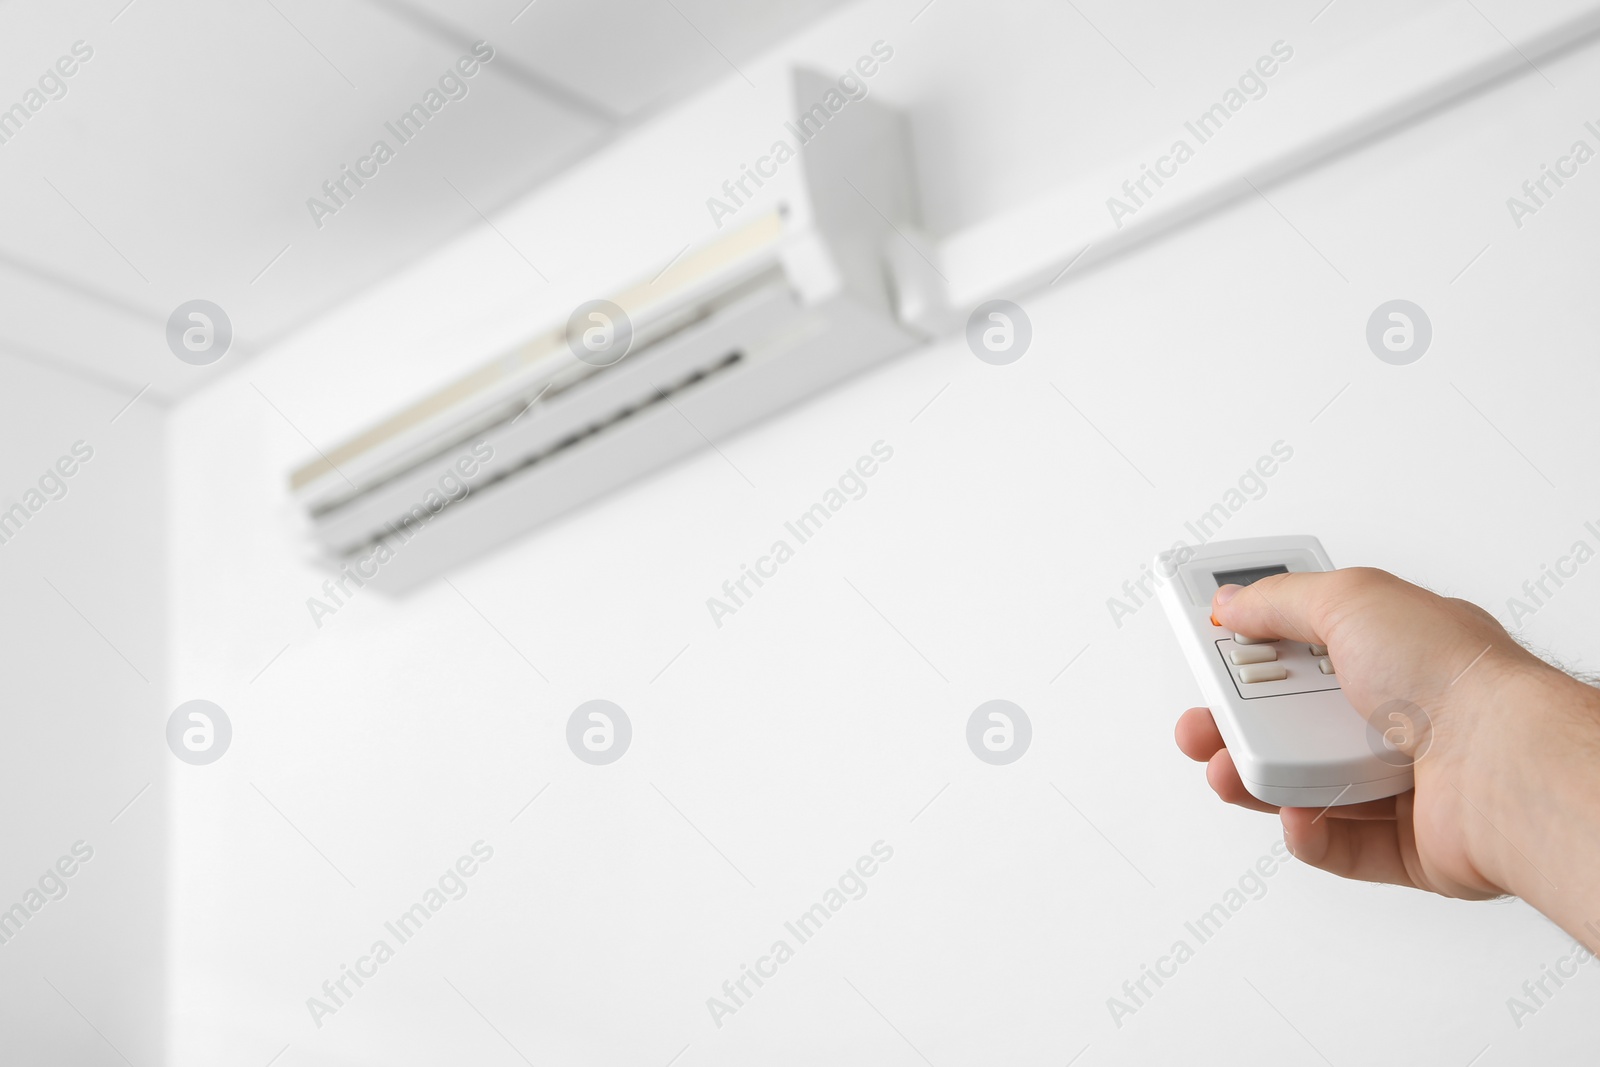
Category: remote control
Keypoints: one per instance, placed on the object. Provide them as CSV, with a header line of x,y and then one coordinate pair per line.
x,y
1295,738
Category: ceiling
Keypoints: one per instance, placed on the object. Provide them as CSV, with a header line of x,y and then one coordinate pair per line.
x,y
178,162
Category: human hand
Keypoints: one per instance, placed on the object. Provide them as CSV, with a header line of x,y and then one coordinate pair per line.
x,y
1479,706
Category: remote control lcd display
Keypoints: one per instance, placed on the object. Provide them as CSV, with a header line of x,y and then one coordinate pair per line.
x,y
1247,575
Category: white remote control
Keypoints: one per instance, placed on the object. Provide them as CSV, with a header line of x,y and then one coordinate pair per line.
x,y
1295,739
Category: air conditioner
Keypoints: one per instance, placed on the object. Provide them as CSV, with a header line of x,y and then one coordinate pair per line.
x,y
784,305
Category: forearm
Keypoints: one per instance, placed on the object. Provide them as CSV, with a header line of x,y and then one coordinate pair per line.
x,y
1534,796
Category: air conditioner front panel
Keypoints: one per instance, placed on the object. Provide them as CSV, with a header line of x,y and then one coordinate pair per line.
x,y
847,338
638,381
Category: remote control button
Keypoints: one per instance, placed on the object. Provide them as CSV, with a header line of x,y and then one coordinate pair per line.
x,y
1214,621
1240,639
1325,665
1262,672
1319,650
1253,654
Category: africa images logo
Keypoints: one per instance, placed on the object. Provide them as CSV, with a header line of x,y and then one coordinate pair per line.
x,y
342,188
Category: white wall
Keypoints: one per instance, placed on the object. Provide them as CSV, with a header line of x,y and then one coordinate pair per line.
x,y
83,583
774,751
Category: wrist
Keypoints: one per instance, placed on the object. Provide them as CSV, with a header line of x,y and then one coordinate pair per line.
x,y
1531,768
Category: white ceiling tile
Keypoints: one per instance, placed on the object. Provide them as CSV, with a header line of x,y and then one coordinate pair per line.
x,y
180,162
628,55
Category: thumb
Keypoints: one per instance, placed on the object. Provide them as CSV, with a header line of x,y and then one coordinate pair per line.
x,y
1282,605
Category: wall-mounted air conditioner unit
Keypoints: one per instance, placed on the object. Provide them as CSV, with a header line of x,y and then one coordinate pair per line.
x,y
783,306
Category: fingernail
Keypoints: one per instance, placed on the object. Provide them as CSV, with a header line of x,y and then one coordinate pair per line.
x,y
1227,592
